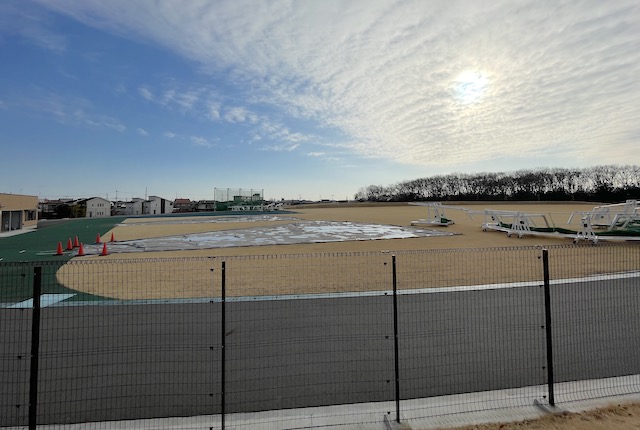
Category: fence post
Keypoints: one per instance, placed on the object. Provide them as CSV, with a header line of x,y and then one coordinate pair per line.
x,y
547,324
35,348
223,343
395,336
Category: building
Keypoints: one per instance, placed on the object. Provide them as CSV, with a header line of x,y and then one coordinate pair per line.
x,y
18,212
182,205
206,206
55,209
119,207
96,207
134,207
157,206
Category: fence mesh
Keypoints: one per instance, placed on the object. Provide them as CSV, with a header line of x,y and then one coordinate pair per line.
x,y
295,350
476,337
596,320
283,341
16,283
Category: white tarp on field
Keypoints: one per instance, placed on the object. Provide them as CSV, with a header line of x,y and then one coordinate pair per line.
x,y
294,233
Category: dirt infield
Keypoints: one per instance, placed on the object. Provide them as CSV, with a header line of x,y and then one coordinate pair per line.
x,y
468,229
299,266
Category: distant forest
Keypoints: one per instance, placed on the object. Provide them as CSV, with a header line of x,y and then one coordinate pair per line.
x,y
607,184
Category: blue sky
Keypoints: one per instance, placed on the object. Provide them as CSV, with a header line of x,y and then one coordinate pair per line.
x,y
308,99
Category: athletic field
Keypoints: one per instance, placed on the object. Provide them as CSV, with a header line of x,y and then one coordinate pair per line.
x,y
321,234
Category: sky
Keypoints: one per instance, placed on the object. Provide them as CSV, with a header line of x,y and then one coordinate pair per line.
x,y
308,99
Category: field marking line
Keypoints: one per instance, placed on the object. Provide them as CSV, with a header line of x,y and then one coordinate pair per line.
x,y
45,300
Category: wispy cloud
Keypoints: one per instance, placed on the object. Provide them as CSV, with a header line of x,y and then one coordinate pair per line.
x,y
281,148
213,111
184,100
142,132
98,121
65,109
21,19
204,102
169,134
412,81
329,158
271,130
240,114
201,141
197,100
146,93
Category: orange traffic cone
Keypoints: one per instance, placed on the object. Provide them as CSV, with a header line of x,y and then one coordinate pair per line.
x,y
69,245
104,249
59,251
80,250
112,240
76,243
98,238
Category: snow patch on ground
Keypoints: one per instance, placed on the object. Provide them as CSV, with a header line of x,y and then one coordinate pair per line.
x,y
294,233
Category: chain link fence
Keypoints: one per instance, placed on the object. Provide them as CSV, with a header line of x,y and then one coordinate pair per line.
x,y
252,341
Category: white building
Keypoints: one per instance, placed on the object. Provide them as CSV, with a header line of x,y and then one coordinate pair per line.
x,y
97,207
134,207
157,205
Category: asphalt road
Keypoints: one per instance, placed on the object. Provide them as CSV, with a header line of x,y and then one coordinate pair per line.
x,y
112,362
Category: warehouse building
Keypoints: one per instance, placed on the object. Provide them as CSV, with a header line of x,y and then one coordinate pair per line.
x,y
18,212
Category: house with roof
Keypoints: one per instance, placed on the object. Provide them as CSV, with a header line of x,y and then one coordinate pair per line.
x,y
156,206
182,205
205,206
95,207
134,207
55,209
18,212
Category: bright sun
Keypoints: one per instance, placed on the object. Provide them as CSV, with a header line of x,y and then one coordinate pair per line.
x,y
470,86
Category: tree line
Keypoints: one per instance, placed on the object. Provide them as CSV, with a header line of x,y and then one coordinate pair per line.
x,y
608,184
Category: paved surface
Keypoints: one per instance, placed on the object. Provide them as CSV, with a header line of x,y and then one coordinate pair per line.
x,y
119,362
450,411
17,232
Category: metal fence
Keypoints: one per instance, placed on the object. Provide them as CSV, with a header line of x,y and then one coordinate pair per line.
x,y
280,341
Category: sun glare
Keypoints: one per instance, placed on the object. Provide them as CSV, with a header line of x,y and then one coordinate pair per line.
x,y
470,86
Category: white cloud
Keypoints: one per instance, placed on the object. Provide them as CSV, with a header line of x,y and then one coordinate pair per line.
x,y
184,100
240,114
281,148
169,134
214,111
556,76
197,100
146,93
201,141
98,121
31,25
270,130
142,132
65,109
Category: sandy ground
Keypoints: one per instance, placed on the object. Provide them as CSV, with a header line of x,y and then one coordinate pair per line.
x,y
467,227
615,417
469,257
